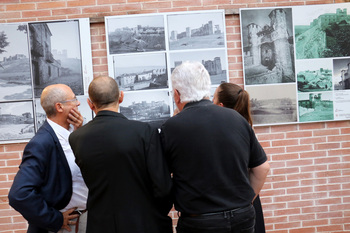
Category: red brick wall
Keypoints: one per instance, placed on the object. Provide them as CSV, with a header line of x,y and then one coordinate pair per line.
x,y
308,188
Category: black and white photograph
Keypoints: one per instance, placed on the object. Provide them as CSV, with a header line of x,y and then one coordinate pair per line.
x,y
214,61
315,106
196,31
135,34
314,75
56,55
322,31
15,77
341,74
268,49
141,71
273,104
84,109
16,121
148,106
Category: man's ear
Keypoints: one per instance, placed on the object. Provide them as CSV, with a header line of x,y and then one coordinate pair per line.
x,y
121,97
59,107
91,105
221,104
177,96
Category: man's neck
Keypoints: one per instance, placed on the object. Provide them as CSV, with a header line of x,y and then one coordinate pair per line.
x,y
60,121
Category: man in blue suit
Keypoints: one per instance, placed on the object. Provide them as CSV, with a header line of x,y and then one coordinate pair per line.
x,y
44,183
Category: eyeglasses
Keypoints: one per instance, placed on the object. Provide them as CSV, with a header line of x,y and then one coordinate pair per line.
x,y
72,100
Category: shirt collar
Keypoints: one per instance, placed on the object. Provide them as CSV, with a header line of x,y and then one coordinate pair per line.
x,y
59,130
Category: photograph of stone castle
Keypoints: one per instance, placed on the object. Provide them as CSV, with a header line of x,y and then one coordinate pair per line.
x,y
147,106
55,55
268,49
16,121
341,70
196,31
316,106
273,104
134,34
322,32
314,75
213,60
15,77
141,71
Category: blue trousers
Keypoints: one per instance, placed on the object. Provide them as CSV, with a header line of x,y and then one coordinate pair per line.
x,y
234,221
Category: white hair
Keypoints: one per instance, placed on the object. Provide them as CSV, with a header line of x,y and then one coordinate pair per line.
x,y
192,81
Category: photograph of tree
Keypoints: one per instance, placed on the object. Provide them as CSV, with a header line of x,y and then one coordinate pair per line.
x,y
15,78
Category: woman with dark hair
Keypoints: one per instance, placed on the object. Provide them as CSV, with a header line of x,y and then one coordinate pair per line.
x,y
232,96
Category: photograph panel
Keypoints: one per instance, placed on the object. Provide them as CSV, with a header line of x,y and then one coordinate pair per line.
x,y
322,31
314,75
134,34
273,104
315,106
15,77
56,55
16,121
141,71
268,49
147,106
341,74
196,30
215,61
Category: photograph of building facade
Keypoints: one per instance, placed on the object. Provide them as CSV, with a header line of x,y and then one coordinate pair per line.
x,y
268,46
342,74
316,107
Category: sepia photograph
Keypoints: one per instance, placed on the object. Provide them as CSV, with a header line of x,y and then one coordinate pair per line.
x,y
315,106
15,77
141,71
147,106
268,49
56,55
341,74
84,109
273,104
214,61
196,31
134,34
16,121
315,75
322,32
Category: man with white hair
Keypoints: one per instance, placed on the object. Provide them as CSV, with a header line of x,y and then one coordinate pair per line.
x,y
218,165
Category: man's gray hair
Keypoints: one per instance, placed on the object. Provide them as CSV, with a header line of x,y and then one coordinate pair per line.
x,y
50,96
192,80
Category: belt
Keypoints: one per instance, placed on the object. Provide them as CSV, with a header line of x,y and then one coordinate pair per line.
x,y
78,212
221,213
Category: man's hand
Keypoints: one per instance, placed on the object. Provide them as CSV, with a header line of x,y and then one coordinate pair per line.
x,y
67,219
75,118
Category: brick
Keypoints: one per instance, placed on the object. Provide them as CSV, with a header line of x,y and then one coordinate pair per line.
x,y
66,11
102,2
300,176
297,204
299,148
313,223
36,13
290,142
288,225
312,140
299,163
340,220
51,5
81,3
301,217
299,190
337,214
186,3
313,168
10,1
339,152
315,209
345,131
331,228
316,125
329,187
287,212
328,201
327,160
284,128
338,138
326,132
310,196
274,150
338,124
285,184
96,9
299,134
284,171
11,155
13,162
20,7
327,174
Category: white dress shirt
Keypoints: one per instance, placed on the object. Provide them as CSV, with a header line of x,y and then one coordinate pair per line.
x,y
80,191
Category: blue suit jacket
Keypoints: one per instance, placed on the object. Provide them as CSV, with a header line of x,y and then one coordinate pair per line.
x,y
43,184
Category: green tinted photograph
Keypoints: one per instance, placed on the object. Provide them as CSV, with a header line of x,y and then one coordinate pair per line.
x,y
315,106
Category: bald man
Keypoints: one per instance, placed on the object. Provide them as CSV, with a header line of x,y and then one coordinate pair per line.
x,y
122,164
48,189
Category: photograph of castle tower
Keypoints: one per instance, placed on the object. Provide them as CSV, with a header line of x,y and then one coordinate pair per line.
x,y
16,120
341,70
268,50
196,31
135,34
322,31
141,71
315,75
316,106
56,56
15,77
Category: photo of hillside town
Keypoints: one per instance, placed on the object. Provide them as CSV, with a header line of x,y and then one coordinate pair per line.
x,y
141,71
196,31
341,70
135,34
314,75
213,60
149,106
322,32
316,106
273,104
55,55
15,77
16,121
